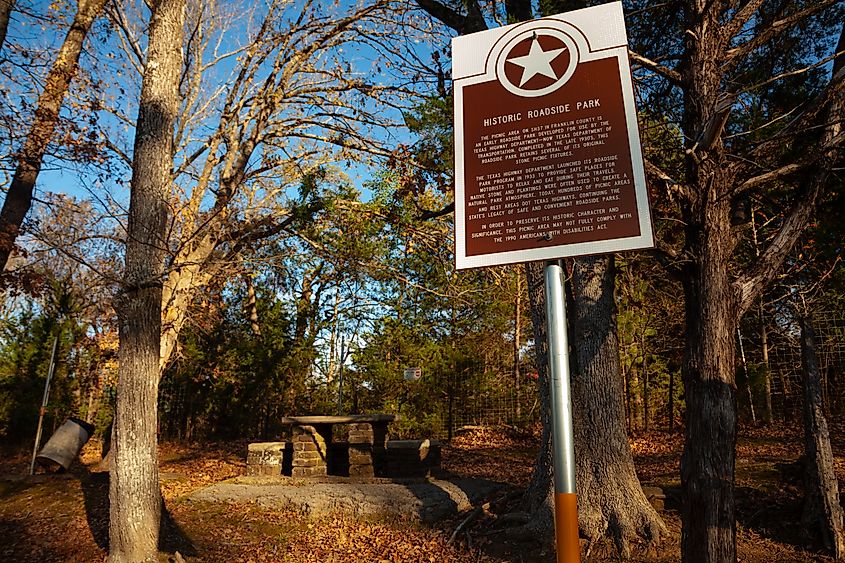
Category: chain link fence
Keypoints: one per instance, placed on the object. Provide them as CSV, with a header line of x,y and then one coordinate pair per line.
x,y
785,364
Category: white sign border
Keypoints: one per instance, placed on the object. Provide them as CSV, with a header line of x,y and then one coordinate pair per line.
x,y
599,23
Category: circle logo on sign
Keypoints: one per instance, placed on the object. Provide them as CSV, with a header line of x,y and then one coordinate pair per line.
x,y
537,62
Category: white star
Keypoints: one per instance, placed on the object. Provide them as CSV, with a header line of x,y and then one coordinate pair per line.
x,y
537,61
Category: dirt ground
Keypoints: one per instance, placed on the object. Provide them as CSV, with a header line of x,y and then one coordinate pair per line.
x,y
64,517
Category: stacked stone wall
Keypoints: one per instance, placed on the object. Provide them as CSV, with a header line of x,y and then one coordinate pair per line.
x,y
309,452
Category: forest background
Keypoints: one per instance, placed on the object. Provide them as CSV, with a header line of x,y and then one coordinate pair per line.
x,y
307,247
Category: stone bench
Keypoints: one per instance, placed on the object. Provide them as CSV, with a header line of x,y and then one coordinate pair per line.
x,y
412,458
401,458
269,458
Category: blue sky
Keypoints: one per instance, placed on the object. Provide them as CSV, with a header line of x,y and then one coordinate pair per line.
x,y
105,62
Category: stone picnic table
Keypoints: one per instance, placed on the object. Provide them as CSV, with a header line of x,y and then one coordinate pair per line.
x,y
312,438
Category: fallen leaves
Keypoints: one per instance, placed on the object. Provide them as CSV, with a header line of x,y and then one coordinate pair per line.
x,y
494,453
39,516
344,540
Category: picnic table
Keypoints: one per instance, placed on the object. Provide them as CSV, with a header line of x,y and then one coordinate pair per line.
x,y
312,437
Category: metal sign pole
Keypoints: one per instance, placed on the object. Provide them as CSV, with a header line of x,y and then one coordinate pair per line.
x,y
44,401
563,440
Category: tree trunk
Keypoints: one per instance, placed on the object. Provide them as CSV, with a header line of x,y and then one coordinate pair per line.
x,y
517,341
333,364
6,7
822,511
636,399
611,502
94,390
671,401
707,467
251,305
646,396
538,498
134,495
764,344
30,157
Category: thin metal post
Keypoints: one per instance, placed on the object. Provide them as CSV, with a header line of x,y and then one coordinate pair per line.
x,y
44,401
563,439
340,376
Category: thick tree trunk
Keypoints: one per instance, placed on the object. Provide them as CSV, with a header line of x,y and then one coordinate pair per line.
x,y
822,511
708,462
30,157
135,499
538,498
610,499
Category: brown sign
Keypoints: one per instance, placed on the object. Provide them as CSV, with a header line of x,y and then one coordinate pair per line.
x,y
547,149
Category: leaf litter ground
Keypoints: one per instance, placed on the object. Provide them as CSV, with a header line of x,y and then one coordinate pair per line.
x,y
64,517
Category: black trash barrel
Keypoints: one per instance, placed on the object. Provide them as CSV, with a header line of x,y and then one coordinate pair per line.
x,y
64,445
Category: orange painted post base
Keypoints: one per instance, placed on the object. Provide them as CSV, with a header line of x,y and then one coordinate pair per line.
x,y
566,528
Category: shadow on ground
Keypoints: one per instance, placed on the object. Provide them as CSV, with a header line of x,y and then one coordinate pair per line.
x,y
95,490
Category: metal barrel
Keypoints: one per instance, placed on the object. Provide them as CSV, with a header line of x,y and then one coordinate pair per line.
x,y
64,445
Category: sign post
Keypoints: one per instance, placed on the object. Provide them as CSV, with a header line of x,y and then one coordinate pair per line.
x,y
563,439
548,164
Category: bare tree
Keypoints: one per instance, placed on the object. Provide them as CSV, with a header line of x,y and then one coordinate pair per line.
x,y
30,157
254,146
135,498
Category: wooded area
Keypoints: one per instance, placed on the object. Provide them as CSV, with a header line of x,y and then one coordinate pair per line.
x,y
222,214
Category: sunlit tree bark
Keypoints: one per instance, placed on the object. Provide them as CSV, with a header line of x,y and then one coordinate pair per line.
x,y
134,495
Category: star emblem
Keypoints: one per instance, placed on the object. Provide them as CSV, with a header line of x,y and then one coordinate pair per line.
x,y
531,63
537,61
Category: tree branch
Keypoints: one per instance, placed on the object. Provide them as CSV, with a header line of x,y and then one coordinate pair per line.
x,y
427,215
735,55
769,176
470,23
669,74
741,17
765,269
752,283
